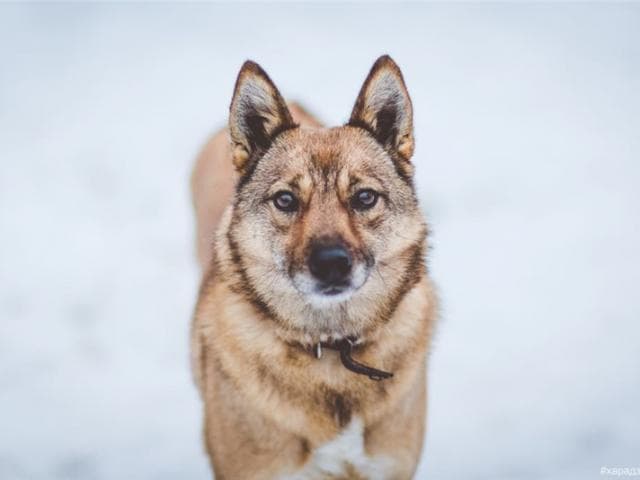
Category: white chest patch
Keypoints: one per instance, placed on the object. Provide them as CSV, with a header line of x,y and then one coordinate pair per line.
x,y
344,452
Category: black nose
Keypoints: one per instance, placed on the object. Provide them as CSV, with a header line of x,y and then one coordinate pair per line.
x,y
330,264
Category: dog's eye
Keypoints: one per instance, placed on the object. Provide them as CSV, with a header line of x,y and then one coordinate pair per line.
x,y
285,201
364,199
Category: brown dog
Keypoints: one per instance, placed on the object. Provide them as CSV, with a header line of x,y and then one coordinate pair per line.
x,y
315,313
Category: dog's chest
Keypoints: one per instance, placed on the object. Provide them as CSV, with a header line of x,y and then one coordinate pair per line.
x,y
344,457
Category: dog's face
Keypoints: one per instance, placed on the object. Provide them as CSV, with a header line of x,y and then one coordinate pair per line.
x,y
325,221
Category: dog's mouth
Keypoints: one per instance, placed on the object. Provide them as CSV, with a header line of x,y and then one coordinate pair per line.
x,y
330,295
331,290
322,294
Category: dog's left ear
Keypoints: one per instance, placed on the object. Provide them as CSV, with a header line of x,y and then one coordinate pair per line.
x,y
384,109
257,114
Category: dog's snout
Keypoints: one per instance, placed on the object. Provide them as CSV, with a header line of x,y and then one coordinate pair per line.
x,y
330,264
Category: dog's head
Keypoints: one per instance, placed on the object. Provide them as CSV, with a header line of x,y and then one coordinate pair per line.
x,y
325,231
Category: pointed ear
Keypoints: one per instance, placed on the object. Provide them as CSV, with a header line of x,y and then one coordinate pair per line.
x,y
258,113
384,109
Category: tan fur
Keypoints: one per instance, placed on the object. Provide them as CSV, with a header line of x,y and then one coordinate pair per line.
x,y
212,183
269,403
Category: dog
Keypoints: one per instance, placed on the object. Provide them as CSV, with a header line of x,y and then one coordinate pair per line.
x,y
315,314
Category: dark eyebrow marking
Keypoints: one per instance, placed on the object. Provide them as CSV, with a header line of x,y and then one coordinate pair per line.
x,y
371,173
294,183
354,180
368,173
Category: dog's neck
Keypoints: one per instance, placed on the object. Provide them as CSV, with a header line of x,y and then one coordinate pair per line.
x,y
314,342
345,346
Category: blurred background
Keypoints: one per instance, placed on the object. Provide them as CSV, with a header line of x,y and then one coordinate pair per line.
x,y
528,166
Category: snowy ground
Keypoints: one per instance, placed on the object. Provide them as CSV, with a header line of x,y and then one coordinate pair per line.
x,y
528,160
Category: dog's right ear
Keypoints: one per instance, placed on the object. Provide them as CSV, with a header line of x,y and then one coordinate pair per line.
x,y
258,113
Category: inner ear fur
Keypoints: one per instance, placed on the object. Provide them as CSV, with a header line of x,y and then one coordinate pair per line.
x,y
383,108
257,114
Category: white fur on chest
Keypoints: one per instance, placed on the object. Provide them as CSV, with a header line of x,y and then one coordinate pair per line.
x,y
344,451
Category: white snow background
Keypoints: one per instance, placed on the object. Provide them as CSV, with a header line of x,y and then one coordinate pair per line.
x,y
528,166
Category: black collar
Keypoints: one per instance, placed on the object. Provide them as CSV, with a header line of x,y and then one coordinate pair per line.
x,y
345,346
